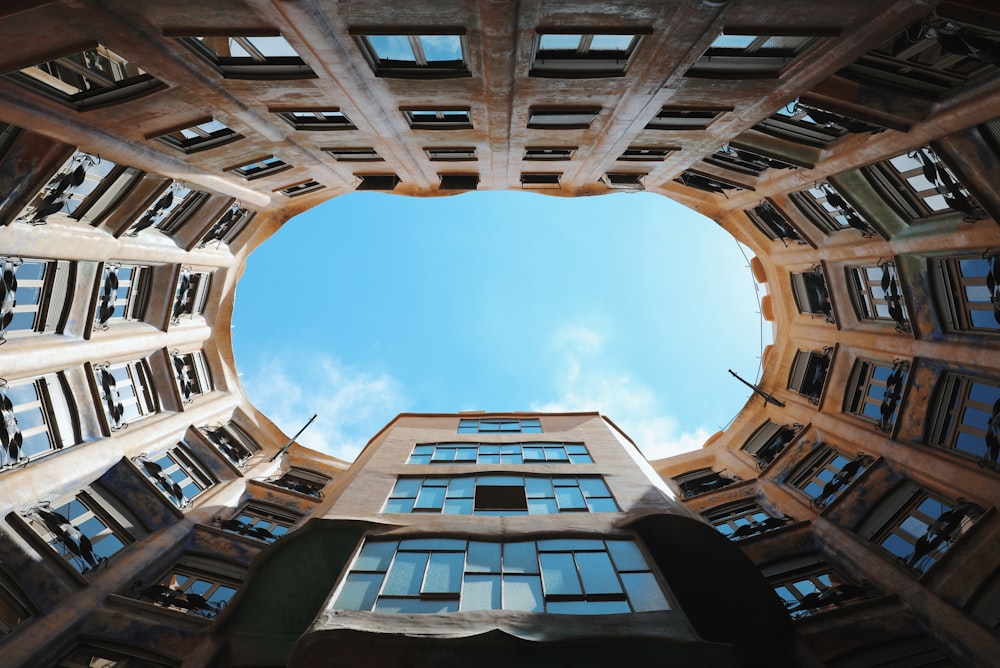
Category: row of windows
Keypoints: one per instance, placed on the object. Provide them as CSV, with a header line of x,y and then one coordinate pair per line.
x,y
534,452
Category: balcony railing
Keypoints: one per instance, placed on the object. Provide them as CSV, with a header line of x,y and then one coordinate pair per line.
x,y
893,395
945,530
843,478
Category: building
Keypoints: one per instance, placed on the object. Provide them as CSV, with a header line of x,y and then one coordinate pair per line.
x,y
147,148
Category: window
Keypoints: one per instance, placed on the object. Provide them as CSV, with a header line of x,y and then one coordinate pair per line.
x,y
366,154
646,154
630,182
261,167
743,161
769,441
329,119
204,135
107,655
540,181
176,474
495,453
743,519
14,607
37,416
168,211
191,374
228,226
127,392
967,291
415,56
930,57
582,576
563,119
707,183
811,293
809,586
827,473
808,374
377,181
91,78
965,416
808,124
451,154
680,118
875,391
123,293
197,585
86,188
500,495
918,185
35,295
191,293
702,481
459,181
439,119
830,211
742,56
505,425
877,294
921,528
543,153
582,54
251,56
773,223
302,481
301,188
81,530
234,443
259,522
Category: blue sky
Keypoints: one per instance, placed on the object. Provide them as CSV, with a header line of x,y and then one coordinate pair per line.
x,y
374,304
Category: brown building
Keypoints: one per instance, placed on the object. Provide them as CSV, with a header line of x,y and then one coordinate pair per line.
x,y
147,148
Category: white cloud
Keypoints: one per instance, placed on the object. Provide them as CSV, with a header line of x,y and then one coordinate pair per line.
x,y
587,383
351,404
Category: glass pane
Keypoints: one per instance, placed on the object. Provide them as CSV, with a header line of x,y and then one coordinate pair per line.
x,y
594,487
406,574
483,558
466,454
406,488
441,47
393,47
452,544
430,498
560,42
458,506
504,480
559,574
522,592
520,558
481,592
444,572
644,592
536,488
580,459
588,607
359,591
597,573
398,506
610,42
273,47
555,454
733,41
570,498
570,544
429,606
542,506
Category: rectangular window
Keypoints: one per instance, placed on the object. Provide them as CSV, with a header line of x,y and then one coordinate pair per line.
x,y
81,530
204,135
415,56
830,211
302,481
91,78
543,153
827,473
743,519
37,416
702,481
495,453
328,119
875,391
812,295
582,55
540,181
878,295
743,161
14,607
917,185
259,522
809,125
439,119
250,56
191,293
646,154
191,373
235,444
563,118
123,294
451,154
808,374
682,118
809,586
459,181
176,473
36,295
504,425
228,226
965,416
773,223
366,154
500,495
628,182
126,392
196,585
769,441
574,576
377,182
967,292
736,55
164,211
707,182
301,188
930,58
261,167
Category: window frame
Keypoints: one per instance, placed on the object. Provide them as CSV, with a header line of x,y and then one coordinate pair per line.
x,y
301,481
166,211
761,446
258,521
952,289
171,594
583,62
419,67
703,481
256,65
202,140
831,211
524,452
646,153
301,188
229,439
685,119
46,297
451,154
323,119
173,472
878,299
494,425
952,404
190,294
563,118
865,389
809,373
755,60
441,120
57,414
743,519
142,393
230,223
191,374
546,153
812,294
110,306
830,470
774,224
